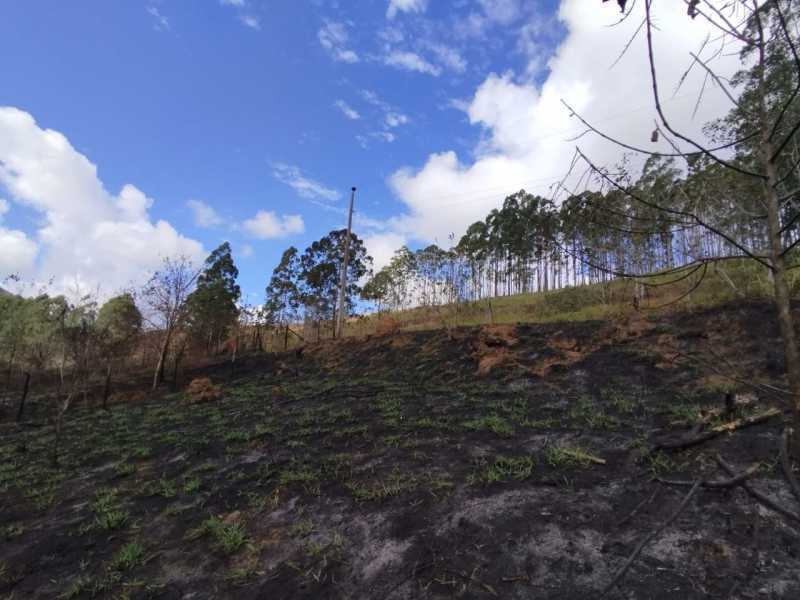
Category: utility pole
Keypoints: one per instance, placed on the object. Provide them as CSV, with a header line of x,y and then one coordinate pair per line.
x,y
345,259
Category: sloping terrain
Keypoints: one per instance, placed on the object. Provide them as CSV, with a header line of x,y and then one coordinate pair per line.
x,y
494,462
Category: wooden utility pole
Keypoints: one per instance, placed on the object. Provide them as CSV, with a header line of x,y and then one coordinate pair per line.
x,y
345,259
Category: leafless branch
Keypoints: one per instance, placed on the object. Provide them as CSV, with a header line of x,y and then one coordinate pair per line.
x,y
657,98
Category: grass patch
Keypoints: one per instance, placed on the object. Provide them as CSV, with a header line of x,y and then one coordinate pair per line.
x,y
226,537
130,556
504,468
393,485
585,412
567,457
498,425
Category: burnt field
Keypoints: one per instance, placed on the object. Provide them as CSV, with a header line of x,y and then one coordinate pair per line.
x,y
495,462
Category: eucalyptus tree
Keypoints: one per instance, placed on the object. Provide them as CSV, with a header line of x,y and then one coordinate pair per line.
x,y
753,151
320,272
213,306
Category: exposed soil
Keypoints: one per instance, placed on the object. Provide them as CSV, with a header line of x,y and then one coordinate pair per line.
x,y
478,463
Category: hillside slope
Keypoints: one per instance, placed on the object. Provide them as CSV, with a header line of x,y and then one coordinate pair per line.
x,y
490,462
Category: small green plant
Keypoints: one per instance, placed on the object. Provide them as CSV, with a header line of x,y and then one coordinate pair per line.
x,y
619,400
494,423
166,488
191,485
227,537
568,457
659,463
504,468
124,469
301,528
233,437
112,520
130,556
585,412
142,452
12,530
393,485
108,515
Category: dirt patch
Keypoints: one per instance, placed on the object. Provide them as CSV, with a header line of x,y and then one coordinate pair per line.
x,y
493,347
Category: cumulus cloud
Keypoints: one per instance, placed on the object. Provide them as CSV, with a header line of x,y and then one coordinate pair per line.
x,y
335,39
86,233
405,6
204,214
347,110
304,186
411,61
267,225
524,129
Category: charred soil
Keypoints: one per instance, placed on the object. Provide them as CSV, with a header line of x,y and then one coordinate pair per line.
x,y
505,462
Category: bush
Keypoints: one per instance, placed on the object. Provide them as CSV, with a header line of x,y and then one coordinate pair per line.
x,y
202,390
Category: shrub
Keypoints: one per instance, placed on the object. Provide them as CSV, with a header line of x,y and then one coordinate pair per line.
x,y
202,390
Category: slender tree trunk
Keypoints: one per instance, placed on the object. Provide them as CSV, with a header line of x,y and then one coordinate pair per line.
x,y
158,377
24,396
107,386
783,298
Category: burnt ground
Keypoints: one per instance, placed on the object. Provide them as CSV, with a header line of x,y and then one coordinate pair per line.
x,y
418,466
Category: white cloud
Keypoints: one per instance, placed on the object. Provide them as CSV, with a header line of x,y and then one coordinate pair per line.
x,y
204,214
382,246
449,57
266,225
503,12
386,136
394,119
246,251
334,38
525,129
251,21
17,253
347,110
406,6
236,3
86,233
161,23
304,186
411,61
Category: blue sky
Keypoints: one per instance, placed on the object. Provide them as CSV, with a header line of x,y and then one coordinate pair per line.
x,y
249,120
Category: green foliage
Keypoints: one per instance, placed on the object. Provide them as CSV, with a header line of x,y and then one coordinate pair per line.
x,y
130,556
212,306
320,272
226,537
118,322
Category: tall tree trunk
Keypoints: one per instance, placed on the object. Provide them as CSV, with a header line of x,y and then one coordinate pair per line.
x,y
158,377
782,297
24,396
107,386
791,356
